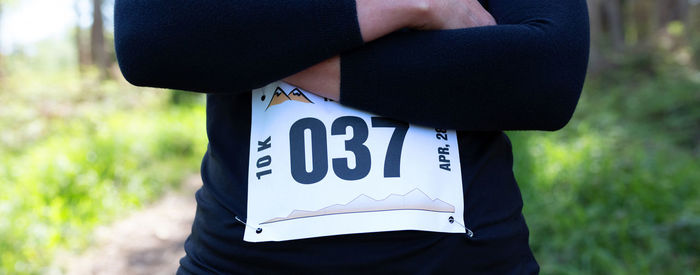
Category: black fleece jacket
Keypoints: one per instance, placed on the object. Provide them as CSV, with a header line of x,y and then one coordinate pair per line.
x,y
526,73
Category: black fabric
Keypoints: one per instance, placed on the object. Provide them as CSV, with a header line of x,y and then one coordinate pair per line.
x,y
526,73
228,46
492,211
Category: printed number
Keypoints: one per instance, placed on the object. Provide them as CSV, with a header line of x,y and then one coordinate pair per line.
x,y
442,136
355,145
392,163
319,148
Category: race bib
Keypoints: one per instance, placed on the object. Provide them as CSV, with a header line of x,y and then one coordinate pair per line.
x,y
318,168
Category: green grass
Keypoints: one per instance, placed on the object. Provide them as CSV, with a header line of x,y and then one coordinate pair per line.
x,y
85,173
76,154
618,190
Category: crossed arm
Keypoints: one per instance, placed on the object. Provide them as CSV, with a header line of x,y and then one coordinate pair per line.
x,y
525,73
378,18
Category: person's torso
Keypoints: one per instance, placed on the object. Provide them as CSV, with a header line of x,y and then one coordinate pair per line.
x,y
492,210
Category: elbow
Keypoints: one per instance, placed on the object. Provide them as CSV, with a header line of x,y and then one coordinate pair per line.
x,y
561,90
551,106
142,50
129,60
130,65
130,42
166,44
565,74
564,84
559,118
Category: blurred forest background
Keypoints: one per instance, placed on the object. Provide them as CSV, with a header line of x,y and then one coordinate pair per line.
x,y
616,191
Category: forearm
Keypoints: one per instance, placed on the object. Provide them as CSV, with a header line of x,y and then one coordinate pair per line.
x,y
234,46
378,18
525,73
324,78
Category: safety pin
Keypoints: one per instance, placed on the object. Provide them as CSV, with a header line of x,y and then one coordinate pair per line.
x,y
257,230
470,233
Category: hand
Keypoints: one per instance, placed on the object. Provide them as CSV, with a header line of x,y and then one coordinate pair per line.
x,y
322,79
455,14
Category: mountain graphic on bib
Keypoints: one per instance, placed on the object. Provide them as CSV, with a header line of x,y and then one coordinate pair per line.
x,y
415,200
297,95
281,96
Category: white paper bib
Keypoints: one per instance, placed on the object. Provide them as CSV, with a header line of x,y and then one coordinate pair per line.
x,y
318,168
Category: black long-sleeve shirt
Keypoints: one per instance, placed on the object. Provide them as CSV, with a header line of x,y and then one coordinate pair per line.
x,y
525,73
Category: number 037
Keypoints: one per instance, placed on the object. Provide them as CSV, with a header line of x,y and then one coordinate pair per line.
x,y
356,145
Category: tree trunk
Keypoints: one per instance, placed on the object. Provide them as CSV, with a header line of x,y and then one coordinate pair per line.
x,y
1,63
683,9
645,15
673,10
97,39
596,28
83,53
613,15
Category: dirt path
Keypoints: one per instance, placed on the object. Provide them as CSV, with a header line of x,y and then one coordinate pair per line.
x,y
149,241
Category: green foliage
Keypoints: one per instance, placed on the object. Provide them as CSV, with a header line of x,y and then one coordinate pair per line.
x,y
78,153
617,190
185,98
